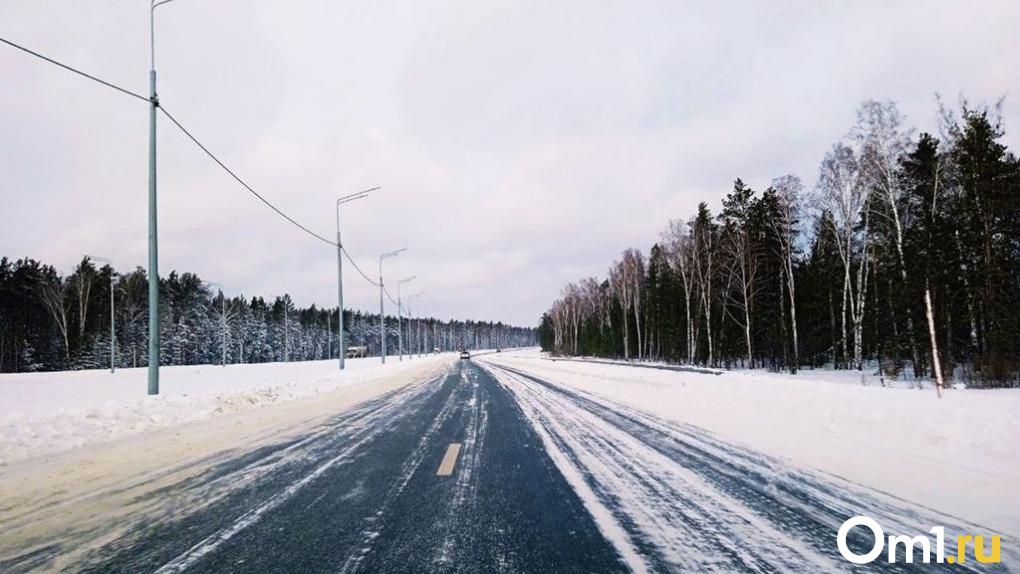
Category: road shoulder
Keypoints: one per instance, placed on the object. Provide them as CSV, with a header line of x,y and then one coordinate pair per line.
x,y
88,489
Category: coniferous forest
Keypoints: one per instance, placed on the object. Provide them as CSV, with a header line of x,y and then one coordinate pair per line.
x,y
50,322
902,256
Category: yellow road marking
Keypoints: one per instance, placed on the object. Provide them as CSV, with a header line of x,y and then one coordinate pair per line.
x,y
449,460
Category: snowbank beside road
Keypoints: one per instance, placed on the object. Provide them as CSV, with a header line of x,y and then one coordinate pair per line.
x,y
959,455
43,413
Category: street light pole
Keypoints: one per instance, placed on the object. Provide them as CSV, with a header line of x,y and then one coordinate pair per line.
x,y
410,349
153,244
113,336
400,317
339,270
382,310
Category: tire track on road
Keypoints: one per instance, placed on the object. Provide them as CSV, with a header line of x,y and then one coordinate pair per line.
x,y
691,501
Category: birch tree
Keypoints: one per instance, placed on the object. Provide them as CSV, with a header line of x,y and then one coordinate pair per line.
x,y
679,250
881,142
81,283
704,233
622,290
53,294
841,193
633,267
789,190
741,261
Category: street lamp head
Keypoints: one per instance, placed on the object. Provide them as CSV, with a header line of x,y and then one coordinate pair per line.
x,y
154,4
413,297
408,279
358,195
101,260
392,253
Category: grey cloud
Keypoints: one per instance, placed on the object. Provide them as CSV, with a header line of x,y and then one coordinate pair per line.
x,y
520,144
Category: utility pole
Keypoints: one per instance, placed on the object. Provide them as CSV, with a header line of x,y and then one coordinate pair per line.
x,y
340,273
400,319
153,243
382,309
113,335
410,348
153,246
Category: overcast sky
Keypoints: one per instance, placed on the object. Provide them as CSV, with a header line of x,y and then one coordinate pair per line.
x,y
520,145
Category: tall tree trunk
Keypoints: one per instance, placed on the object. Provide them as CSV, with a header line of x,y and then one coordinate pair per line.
x,y
747,328
858,310
626,335
637,325
690,327
842,316
793,313
832,330
936,365
706,301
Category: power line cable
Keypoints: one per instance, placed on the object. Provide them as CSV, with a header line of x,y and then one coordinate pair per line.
x,y
202,147
242,182
75,70
358,269
262,199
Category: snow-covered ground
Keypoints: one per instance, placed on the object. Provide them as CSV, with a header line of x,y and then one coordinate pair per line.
x,y
43,413
959,455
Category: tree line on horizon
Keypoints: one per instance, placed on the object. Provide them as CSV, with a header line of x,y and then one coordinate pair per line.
x,y
49,322
903,258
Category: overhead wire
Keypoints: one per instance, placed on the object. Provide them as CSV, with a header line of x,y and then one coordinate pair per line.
x,y
205,149
75,70
241,181
356,268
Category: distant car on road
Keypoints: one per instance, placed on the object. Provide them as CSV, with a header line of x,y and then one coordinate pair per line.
x,y
357,352
465,355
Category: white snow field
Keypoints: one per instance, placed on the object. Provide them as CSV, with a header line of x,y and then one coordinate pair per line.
x,y
45,413
959,455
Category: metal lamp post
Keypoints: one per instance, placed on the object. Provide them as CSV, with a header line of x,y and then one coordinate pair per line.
x,y
382,310
400,316
153,243
410,350
113,336
339,270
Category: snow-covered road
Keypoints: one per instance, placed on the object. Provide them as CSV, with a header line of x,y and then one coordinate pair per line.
x,y
673,497
504,463
959,454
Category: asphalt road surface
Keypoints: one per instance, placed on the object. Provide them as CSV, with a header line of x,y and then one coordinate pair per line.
x,y
489,469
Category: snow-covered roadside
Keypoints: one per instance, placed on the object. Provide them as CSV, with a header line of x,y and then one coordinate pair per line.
x,y
44,413
959,455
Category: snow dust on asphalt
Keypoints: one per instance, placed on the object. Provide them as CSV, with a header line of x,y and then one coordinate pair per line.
x,y
361,494
684,501
481,467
